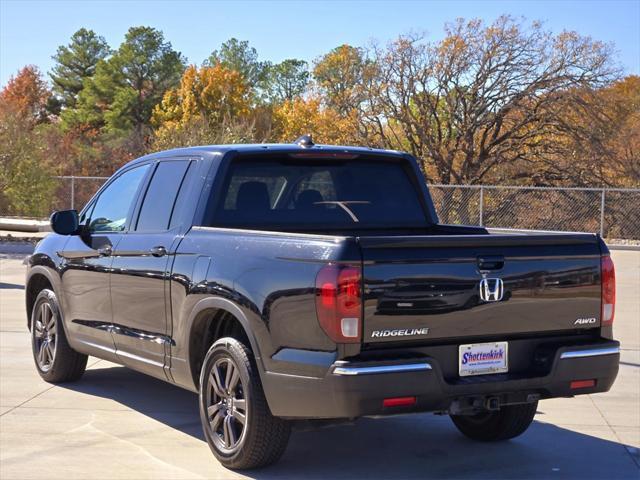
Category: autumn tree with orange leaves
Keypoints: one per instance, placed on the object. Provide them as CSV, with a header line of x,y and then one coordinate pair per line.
x,y
297,117
207,107
25,173
601,141
483,104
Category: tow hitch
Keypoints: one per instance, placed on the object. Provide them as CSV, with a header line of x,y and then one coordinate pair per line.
x,y
474,405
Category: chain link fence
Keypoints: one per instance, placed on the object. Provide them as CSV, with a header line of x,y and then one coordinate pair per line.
x,y
74,192
612,212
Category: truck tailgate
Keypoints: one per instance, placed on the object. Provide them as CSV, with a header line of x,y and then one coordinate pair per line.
x,y
421,288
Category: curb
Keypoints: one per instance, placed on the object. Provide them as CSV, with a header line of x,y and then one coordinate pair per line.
x,y
24,225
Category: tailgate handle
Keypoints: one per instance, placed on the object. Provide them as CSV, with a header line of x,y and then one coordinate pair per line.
x,y
491,262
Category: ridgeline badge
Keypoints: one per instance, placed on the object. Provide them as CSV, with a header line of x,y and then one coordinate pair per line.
x,y
400,332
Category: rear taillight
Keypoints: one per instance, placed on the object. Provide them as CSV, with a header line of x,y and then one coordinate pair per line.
x,y
608,290
338,302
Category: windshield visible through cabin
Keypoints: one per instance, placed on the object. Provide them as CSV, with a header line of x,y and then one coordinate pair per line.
x,y
266,194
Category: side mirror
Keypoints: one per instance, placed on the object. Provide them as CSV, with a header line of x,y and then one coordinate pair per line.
x,y
65,222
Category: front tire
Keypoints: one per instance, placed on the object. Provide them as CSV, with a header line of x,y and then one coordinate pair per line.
x,y
236,419
508,422
55,360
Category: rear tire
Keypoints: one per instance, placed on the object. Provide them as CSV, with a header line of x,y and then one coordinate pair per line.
x,y
509,422
55,360
236,419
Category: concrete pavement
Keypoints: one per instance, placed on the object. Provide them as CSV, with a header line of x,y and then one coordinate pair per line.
x,y
116,423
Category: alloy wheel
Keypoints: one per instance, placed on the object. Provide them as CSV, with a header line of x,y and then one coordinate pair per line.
x,y
45,336
226,404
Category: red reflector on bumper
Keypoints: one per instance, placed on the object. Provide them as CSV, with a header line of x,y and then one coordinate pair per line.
x,y
399,402
582,384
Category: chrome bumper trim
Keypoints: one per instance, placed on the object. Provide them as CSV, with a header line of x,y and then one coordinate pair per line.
x,y
408,367
594,352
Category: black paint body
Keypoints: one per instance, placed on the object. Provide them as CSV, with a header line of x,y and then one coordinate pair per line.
x,y
124,302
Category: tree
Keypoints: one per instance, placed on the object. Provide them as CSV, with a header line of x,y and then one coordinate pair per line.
x,y
125,88
208,102
484,99
341,75
75,63
237,55
601,145
286,80
300,116
25,173
26,95
625,142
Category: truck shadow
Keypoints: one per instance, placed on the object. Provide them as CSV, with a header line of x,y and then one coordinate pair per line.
x,y
415,446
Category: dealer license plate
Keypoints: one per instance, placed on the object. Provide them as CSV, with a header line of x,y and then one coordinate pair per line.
x,y
483,358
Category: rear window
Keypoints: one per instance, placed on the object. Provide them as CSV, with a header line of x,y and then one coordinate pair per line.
x,y
312,194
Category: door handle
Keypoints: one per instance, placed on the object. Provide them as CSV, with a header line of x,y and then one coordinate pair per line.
x,y
105,251
158,251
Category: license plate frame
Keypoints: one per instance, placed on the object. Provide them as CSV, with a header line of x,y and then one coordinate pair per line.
x,y
486,364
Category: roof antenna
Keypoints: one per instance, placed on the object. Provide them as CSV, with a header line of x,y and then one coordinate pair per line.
x,y
305,141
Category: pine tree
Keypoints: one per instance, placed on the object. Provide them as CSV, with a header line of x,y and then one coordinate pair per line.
x,y
125,87
237,55
75,63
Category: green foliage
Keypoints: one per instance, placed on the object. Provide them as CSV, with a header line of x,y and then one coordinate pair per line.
x,y
26,184
75,63
237,55
31,186
341,76
126,87
287,80
25,175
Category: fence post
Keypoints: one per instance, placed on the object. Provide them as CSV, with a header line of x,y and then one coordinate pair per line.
x,y
481,204
602,213
73,192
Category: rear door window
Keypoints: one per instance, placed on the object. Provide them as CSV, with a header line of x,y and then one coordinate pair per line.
x,y
354,194
159,200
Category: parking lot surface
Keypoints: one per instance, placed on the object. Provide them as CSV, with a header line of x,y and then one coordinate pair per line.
x,y
116,423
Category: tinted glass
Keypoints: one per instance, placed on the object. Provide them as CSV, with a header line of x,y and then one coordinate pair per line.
x,y
273,183
355,194
161,195
179,208
114,204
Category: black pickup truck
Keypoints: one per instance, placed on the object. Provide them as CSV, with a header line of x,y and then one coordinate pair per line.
x,y
306,282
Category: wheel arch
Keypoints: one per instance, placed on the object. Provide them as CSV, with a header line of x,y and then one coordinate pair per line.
x,y
38,278
213,318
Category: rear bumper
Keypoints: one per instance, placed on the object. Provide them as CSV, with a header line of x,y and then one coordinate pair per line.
x,y
355,389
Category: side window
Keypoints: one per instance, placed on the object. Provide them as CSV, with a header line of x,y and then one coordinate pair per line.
x,y
161,196
183,195
114,203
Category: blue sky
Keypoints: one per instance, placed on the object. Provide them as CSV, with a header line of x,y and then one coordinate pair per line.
x,y
30,31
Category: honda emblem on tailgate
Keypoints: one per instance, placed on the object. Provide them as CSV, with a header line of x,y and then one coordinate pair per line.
x,y
491,289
